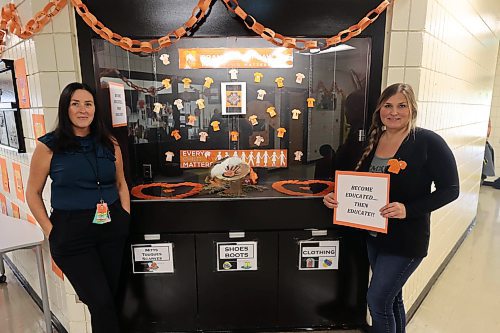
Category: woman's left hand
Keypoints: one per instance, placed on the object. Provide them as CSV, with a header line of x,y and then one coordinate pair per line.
x,y
394,210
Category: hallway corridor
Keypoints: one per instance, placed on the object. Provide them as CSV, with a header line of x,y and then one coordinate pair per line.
x,y
466,297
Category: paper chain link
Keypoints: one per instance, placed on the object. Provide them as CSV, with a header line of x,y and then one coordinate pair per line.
x,y
151,90
301,44
134,45
10,18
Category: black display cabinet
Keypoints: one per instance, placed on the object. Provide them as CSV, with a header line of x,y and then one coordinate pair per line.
x,y
280,294
162,302
328,298
276,296
241,299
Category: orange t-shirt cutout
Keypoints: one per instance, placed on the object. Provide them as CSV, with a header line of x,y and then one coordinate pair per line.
x,y
271,111
395,166
279,82
234,135
215,125
176,134
187,82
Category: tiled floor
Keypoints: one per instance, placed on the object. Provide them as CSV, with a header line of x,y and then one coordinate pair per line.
x,y
465,299
18,313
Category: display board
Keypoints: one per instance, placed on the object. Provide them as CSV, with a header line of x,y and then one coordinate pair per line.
x,y
235,117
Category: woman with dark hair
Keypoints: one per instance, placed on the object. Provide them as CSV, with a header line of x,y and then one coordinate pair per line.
x,y
90,202
394,137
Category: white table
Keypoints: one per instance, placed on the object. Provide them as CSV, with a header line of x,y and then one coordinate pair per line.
x,y
19,234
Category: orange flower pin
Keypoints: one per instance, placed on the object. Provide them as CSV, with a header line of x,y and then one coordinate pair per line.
x,y
395,166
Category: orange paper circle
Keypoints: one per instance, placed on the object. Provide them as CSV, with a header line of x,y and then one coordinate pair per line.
x,y
280,187
137,190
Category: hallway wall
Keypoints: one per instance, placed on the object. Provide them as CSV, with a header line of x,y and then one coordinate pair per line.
x,y
447,50
51,58
495,119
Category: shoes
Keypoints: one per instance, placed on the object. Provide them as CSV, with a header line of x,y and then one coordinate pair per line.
x,y
495,183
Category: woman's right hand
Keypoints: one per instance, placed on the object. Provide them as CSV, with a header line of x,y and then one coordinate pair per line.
x,y
329,201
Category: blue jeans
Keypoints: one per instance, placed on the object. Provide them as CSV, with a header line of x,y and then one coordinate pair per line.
x,y
385,297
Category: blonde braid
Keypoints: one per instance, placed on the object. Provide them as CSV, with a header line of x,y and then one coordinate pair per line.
x,y
375,134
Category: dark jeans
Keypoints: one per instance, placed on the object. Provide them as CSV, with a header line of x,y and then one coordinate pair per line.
x,y
90,255
385,297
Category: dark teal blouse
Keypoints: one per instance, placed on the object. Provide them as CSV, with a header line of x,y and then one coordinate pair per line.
x,y
74,174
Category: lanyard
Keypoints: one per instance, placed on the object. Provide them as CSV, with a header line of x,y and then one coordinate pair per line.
x,y
95,171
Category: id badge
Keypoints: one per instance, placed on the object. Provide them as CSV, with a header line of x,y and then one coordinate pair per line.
x,y
102,214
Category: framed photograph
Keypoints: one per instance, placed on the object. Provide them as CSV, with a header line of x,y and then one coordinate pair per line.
x,y
11,128
234,98
8,93
4,138
10,121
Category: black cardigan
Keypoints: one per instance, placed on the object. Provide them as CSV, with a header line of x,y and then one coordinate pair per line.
x,y
429,159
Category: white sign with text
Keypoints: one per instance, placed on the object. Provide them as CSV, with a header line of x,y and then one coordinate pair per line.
x,y
319,255
360,196
118,104
236,256
152,258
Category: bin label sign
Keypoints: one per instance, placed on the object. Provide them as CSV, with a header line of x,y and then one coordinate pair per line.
x,y
236,256
152,258
318,255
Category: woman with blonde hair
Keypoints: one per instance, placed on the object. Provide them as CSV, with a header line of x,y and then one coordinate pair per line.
x,y
415,158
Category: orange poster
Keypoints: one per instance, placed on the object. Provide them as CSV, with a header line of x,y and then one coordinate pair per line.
x,y
256,158
18,181
20,67
38,125
267,57
15,211
5,175
22,83
3,204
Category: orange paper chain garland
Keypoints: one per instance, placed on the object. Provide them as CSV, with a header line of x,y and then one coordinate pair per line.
x,y
10,19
